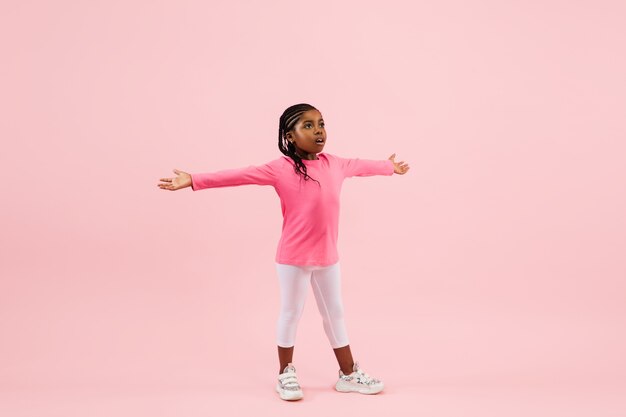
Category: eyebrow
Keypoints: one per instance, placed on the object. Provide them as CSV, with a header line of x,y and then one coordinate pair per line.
x,y
304,121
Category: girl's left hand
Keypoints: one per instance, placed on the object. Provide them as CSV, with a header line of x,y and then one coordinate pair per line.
x,y
399,167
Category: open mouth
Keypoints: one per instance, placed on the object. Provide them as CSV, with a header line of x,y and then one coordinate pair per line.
x,y
320,141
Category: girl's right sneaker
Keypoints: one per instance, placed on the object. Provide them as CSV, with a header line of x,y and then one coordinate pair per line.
x,y
287,385
358,381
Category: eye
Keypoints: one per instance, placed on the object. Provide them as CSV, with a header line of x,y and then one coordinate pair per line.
x,y
307,125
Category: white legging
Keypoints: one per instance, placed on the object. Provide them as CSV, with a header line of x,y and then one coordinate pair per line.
x,y
326,282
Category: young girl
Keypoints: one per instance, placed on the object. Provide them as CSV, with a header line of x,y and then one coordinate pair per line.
x,y
308,182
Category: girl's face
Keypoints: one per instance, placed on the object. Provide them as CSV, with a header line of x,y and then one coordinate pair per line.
x,y
309,134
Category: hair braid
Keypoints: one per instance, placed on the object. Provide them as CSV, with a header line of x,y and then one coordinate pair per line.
x,y
288,120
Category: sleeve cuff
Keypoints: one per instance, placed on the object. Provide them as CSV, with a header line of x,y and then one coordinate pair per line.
x,y
391,166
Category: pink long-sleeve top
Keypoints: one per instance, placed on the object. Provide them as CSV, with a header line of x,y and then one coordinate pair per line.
x,y
310,212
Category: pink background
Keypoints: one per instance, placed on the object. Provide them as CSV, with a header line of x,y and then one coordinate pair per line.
x,y
488,281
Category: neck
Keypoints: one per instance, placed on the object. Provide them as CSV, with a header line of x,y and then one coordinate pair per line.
x,y
307,156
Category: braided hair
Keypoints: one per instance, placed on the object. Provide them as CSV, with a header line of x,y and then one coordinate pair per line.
x,y
287,122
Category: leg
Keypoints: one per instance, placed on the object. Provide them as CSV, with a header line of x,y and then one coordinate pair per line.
x,y
344,358
294,282
285,356
326,283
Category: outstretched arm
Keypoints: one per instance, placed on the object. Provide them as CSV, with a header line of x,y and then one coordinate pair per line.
x,y
399,167
259,175
367,167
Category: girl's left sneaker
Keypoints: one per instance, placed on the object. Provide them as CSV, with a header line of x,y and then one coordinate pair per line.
x,y
358,381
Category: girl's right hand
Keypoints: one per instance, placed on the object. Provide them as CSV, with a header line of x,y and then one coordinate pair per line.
x,y
183,180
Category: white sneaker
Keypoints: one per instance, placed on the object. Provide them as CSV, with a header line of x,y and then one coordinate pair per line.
x,y
358,381
287,385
